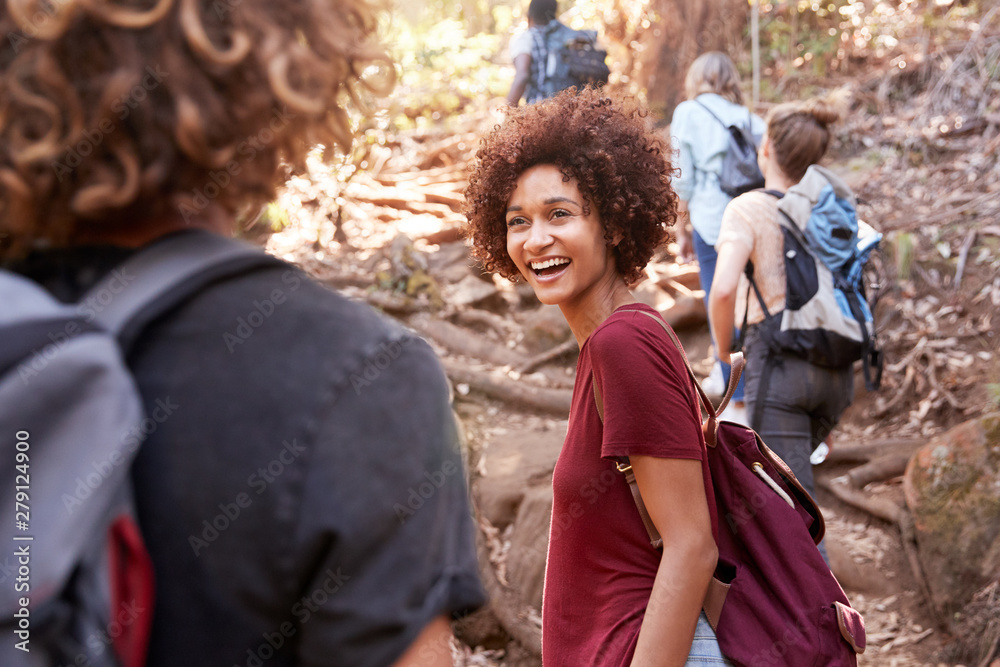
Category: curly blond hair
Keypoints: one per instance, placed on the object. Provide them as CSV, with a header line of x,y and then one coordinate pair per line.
x,y
116,111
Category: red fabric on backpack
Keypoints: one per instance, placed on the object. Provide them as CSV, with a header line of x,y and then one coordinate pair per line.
x,y
783,606
132,592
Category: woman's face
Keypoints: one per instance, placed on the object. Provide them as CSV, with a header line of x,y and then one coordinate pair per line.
x,y
557,246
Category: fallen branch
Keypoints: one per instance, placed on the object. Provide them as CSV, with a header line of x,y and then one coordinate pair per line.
x,y
464,341
547,356
478,316
447,174
880,469
936,384
447,234
861,453
963,257
880,508
901,395
990,652
498,385
844,490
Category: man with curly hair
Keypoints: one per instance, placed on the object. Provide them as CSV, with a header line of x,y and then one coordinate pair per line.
x,y
123,123
572,195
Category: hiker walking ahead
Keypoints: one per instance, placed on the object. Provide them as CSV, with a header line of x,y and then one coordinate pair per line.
x,y
550,57
299,485
800,402
572,195
699,135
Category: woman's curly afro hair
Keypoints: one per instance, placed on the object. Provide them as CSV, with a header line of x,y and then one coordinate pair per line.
x,y
605,144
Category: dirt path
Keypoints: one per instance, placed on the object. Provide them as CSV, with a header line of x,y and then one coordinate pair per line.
x,y
440,291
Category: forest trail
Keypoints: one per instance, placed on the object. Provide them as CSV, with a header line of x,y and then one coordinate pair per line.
x,y
929,180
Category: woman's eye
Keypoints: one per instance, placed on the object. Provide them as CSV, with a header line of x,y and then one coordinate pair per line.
x,y
560,213
514,222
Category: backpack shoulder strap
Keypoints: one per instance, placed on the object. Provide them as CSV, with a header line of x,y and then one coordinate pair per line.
x,y
710,427
165,273
710,113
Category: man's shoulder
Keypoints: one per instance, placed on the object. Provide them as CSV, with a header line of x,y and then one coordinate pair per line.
x,y
278,317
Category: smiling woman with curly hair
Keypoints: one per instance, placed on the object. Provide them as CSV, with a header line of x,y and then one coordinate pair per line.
x,y
619,166
573,195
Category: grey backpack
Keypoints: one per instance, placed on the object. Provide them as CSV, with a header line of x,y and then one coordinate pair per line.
x,y
740,172
570,58
78,582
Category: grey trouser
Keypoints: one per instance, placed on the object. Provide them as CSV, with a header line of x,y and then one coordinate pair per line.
x,y
802,405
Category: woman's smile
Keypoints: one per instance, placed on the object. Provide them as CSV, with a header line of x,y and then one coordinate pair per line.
x,y
555,237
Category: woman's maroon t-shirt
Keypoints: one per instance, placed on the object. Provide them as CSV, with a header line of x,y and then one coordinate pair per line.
x,y
601,567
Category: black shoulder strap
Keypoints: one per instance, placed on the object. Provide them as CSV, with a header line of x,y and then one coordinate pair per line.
x,y
167,272
710,113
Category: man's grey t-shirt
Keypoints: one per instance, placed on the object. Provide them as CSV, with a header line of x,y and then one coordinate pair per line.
x,y
300,487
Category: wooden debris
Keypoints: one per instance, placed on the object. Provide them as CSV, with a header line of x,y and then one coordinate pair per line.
x,y
518,622
867,451
498,385
464,342
477,317
846,490
547,356
963,257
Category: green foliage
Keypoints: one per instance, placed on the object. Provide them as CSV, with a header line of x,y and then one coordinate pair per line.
x,y
442,70
451,57
274,217
813,39
993,390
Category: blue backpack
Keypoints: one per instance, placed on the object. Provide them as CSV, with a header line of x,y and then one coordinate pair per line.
x,y
569,58
827,319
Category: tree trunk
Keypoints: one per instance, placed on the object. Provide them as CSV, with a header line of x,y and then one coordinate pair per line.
x,y
684,31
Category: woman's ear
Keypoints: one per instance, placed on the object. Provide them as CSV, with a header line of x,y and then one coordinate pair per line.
x,y
764,154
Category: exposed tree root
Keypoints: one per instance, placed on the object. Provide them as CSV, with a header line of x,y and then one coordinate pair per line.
x,y
513,617
496,384
844,490
547,356
464,341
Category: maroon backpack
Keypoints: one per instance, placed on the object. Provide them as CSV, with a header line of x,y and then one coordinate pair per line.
x,y
773,599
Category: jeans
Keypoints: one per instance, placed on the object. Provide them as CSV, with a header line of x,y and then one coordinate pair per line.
x,y
707,259
803,404
705,647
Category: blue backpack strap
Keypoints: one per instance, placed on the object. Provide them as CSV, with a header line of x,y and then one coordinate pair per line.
x,y
167,272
